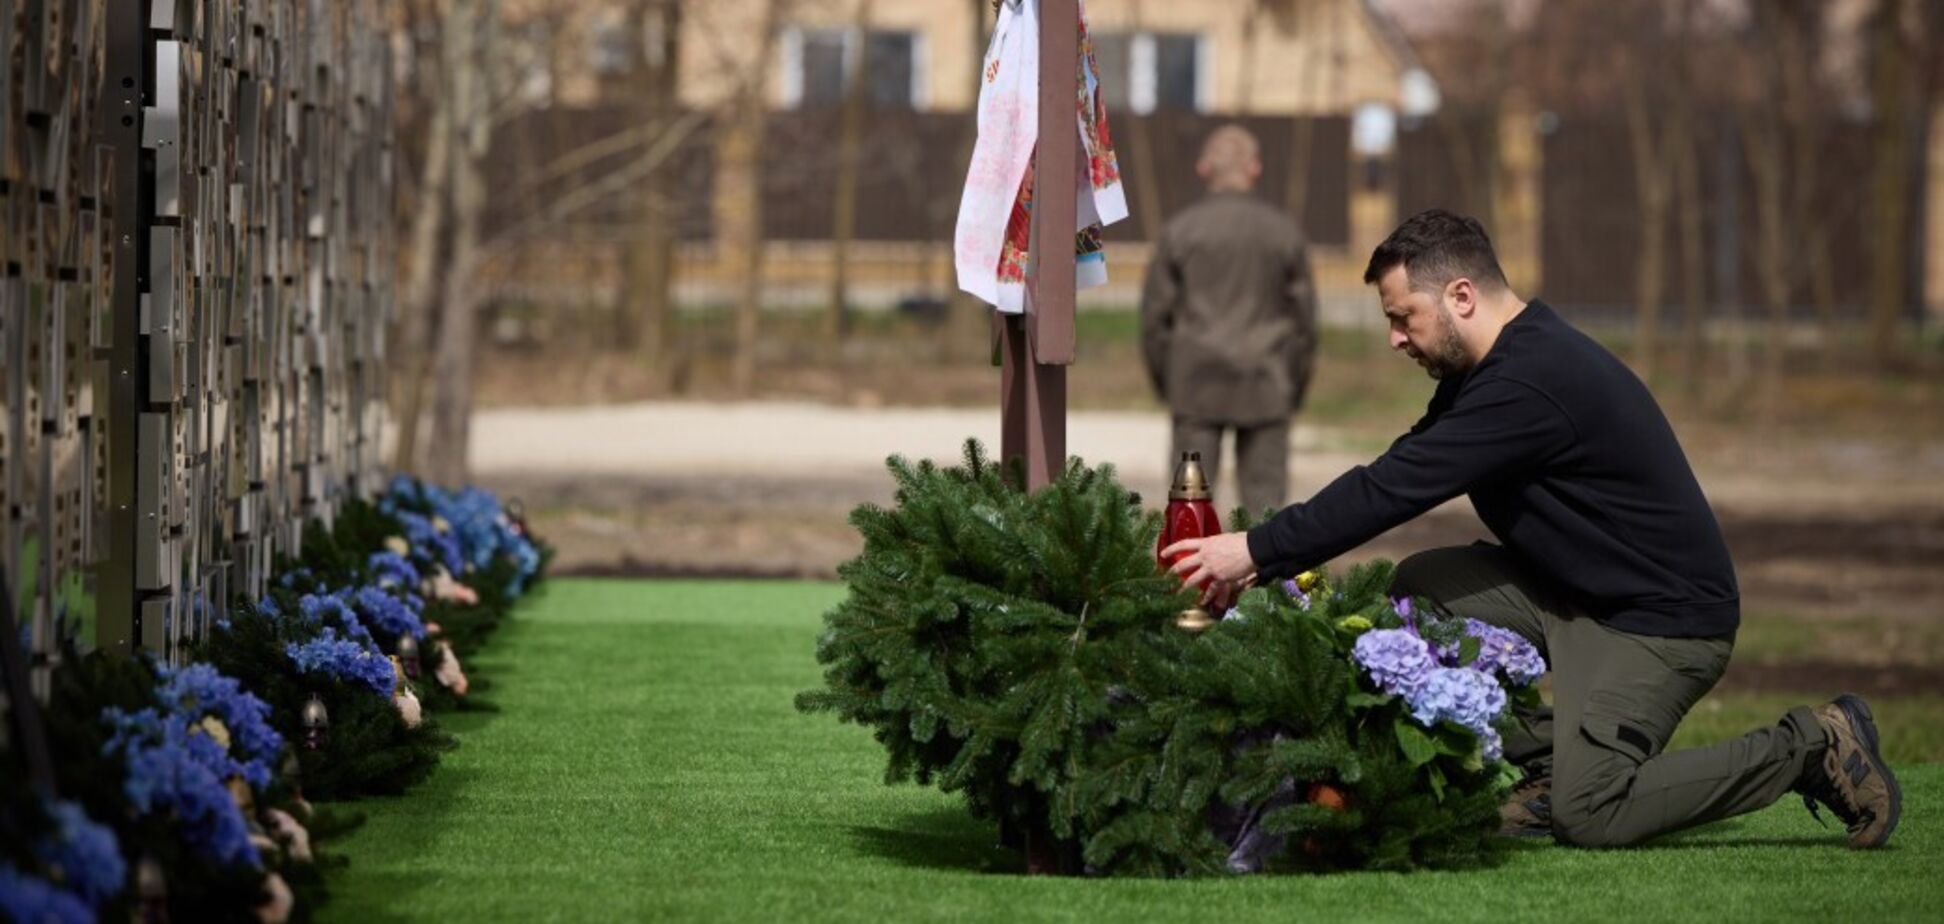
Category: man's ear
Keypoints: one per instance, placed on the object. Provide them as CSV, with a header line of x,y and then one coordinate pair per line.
x,y
1462,297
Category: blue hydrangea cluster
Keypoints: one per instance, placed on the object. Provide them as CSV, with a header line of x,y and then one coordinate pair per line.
x,y
479,522
86,854
393,571
26,898
392,615
345,659
1397,661
429,544
333,610
197,690
300,579
1464,696
170,769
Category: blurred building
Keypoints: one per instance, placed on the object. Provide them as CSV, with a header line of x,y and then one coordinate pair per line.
x,y
1515,110
1298,71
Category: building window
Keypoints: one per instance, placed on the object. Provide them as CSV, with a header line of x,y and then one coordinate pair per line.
x,y
609,52
1145,71
817,65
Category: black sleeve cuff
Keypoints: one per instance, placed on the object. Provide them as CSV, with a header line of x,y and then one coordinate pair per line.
x,y
1262,548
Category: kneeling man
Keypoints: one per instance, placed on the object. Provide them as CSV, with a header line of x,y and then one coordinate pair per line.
x,y
1609,560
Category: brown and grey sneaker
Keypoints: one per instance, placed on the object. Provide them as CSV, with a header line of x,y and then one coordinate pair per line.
x,y
1528,811
1852,778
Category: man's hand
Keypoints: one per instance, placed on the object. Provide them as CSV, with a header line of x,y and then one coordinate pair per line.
x,y
1220,565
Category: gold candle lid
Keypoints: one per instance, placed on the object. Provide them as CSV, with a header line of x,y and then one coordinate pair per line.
x,y
1190,482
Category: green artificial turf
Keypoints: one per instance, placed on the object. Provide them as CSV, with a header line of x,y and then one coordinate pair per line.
x,y
647,764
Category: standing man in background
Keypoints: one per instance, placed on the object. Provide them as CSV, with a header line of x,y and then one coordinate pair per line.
x,y
1228,322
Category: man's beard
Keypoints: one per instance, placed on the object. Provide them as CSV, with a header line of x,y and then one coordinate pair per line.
x,y
1447,356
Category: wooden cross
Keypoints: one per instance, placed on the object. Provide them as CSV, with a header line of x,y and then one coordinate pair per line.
x,y
1036,349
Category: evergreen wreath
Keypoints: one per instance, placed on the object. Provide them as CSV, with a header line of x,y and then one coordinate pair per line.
x,y
1019,648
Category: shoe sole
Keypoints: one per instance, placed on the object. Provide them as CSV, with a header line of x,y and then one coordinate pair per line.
x,y
1860,718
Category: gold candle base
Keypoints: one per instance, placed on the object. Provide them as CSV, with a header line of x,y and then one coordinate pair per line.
x,y
1193,620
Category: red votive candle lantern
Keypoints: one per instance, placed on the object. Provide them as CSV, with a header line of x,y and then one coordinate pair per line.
x,y
1191,515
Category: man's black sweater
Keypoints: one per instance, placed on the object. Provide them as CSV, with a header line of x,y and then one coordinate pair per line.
x,y
1567,460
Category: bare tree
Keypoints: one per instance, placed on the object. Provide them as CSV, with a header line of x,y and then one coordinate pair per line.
x,y
427,239
1890,174
647,314
743,127
474,27
1684,148
850,150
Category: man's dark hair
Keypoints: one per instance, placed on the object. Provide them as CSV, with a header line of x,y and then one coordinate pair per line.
x,y
1435,247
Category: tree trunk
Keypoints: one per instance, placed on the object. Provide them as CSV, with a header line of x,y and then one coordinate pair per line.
x,y
650,253
850,150
1890,177
1694,295
741,160
428,233
1651,182
454,361
1765,161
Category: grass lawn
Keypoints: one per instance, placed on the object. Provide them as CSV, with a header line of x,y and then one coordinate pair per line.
x,y
648,764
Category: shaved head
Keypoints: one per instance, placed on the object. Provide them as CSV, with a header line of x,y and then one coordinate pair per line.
x,y
1231,159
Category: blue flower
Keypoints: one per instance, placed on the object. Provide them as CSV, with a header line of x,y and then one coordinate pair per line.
x,y
333,610
169,769
1466,697
392,571
391,615
344,659
199,689
1397,661
480,530
25,898
86,854
429,544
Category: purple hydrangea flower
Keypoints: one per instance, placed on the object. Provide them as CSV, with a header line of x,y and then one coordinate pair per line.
x,y
1396,660
1506,653
1464,696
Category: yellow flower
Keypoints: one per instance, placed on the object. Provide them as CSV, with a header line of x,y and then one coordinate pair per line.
x,y
1354,624
1308,581
215,729
398,544
440,524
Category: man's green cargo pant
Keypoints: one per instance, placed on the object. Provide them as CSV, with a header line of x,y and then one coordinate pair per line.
x,y
1616,699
